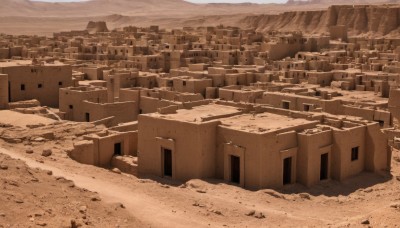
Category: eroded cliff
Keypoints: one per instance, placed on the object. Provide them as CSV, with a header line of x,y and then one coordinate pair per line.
x,y
360,19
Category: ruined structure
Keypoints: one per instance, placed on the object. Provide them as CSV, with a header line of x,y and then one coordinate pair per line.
x,y
260,110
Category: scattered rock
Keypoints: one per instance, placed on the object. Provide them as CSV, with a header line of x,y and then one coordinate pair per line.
x,y
95,198
32,126
216,212
37,214
49,172
47,152
19,201
12,140
368,190
3,125
198,205
398,178
35,180
201,191
251,213
41,223
259,215
48,135
3,167
74,224
82,209
2,214
365,222
274,194
305,196
29,151
39,139
116,170
164,186
13,183
395,205
120,205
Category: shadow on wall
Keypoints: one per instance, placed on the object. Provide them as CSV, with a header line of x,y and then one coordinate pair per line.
x,y
362,181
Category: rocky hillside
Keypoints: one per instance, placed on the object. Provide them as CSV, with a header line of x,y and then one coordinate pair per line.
x,y
361,19
155,8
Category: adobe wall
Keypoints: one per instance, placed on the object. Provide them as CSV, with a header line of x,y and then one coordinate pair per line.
x,y
311,147
343,142
394,103
4,53
193,155
150,104
263,155
295,102
83,152
4,91
249,144
94,73
378,152
39,82
71,102
122,111
105,147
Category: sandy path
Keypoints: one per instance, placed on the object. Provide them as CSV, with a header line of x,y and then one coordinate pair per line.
x,y
143,207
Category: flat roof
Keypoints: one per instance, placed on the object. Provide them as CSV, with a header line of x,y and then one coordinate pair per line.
x,y
201,113
29,63
262,122
357,96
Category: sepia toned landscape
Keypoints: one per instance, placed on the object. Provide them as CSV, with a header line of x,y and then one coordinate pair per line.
x,y
169,113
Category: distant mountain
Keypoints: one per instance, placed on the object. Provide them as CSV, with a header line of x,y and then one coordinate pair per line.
x,y
90,8
26,17
156,8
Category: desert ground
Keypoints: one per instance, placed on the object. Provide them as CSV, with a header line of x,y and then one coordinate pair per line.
x,y
39,189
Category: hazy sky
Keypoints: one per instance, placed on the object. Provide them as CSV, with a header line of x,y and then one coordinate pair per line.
x,y
195,1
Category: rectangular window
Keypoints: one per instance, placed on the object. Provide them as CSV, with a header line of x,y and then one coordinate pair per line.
x,y
354,153
40,86
22,87
285,104
307,107
60,83
71,107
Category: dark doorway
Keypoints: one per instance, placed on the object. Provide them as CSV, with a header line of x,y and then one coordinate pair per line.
x,y
87,117
285,104
9,91
306,108
287,170
235,169
324,167
117,149
167,162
